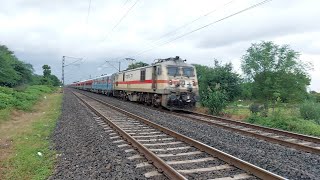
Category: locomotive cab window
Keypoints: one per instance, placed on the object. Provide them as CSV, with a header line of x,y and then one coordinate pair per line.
x,y
142,75
159,70
173,71
188,71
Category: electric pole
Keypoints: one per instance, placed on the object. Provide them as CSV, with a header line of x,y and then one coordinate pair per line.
x,y
109,62
62,78
63,65
130,59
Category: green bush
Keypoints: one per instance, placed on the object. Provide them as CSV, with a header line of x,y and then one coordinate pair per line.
x,y
254,108
6,90
6,100
310,110
22,100
287,123
216,102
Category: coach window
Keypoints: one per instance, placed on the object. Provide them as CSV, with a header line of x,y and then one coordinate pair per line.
x,y
142,75
123,76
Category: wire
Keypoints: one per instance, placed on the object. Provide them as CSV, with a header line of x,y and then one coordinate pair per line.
x,y
193,21
79,59
182,26
125,15
207,25
125,3
89,8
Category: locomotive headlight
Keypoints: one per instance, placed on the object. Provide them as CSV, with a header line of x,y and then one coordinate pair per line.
x,y
170,82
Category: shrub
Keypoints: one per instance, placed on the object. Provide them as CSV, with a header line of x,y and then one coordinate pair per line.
x,y
216,102
287,123
7,100
6,90
310,110
22,100
254,108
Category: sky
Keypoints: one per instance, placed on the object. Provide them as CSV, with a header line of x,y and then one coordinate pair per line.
x,y
42,31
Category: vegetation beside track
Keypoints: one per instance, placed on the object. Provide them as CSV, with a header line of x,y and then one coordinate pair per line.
x,y
28,154
20,99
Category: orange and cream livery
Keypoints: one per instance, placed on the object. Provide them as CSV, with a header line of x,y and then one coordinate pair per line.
x,y
171,83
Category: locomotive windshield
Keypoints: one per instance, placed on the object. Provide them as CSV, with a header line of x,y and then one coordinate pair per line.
x,y
188,71
173,71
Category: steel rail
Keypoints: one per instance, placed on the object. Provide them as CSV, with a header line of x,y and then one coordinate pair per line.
x,y
260,136
248,167
262,128
159,163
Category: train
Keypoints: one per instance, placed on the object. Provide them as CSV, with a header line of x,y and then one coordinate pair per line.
x,y
171,83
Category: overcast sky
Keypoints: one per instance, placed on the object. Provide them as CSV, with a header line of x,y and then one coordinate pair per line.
x,y
42,31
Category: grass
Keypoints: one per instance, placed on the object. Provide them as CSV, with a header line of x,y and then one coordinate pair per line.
x,y
20,99
293,124
5,114
29,155
284,116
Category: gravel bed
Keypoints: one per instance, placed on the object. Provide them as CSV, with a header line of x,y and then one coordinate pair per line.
x,y
113,114
84,148
287,162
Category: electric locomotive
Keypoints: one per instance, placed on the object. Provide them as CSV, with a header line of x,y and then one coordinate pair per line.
x,y
171,83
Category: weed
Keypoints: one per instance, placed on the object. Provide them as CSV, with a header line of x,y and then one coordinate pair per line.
x,y
287,123
310,110
31,157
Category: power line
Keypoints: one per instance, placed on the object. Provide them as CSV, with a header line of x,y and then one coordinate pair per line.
x,y
120,20
193,21
79,59
182,26
205,26
125,3
89,8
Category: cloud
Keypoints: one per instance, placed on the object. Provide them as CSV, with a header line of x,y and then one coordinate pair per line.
x,y
261,24
41,32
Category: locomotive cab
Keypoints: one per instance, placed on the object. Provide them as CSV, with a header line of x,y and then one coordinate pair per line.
x,y
181,89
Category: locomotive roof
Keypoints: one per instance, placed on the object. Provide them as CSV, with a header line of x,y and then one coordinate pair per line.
x,y
179,62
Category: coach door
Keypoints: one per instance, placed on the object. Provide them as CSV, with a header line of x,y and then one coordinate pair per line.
x,y
154,78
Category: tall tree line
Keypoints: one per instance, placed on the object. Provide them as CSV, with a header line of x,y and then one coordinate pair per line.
x,y
271,73
14,72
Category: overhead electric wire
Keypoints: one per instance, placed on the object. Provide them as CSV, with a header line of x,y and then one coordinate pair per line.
x,y
182,26
202,27
125,3
193,21
121,19
205,26
89,8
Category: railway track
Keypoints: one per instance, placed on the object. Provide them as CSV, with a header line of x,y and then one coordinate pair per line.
x,y
174,155
298,141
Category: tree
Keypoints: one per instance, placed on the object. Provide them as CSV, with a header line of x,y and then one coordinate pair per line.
x,y
55,81
137,65
275,72
13,72
46,70
219,77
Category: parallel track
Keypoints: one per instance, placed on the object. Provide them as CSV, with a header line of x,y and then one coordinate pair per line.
x,y
298,141
142,135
